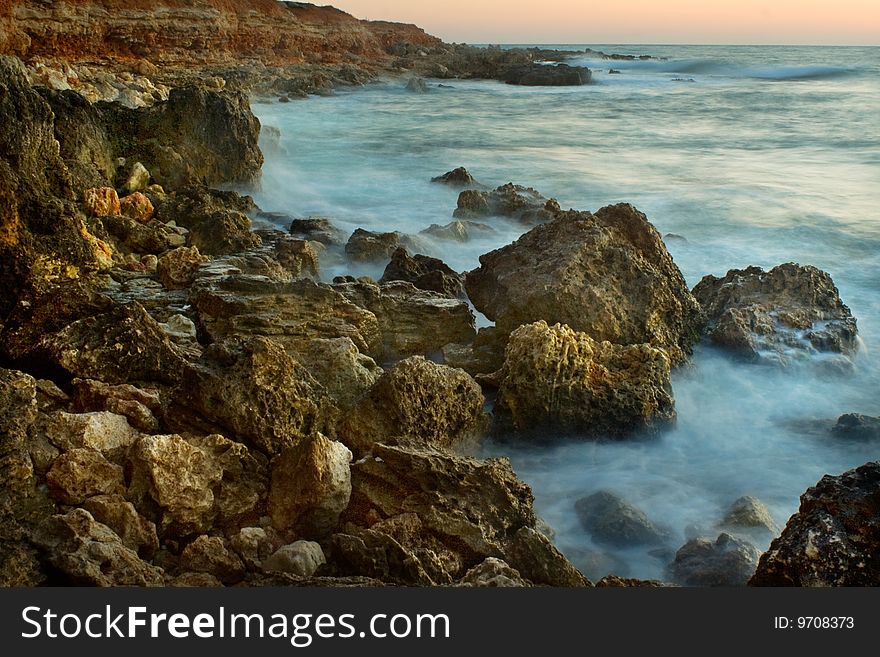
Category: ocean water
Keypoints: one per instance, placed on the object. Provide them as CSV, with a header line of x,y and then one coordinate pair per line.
x,y
755,155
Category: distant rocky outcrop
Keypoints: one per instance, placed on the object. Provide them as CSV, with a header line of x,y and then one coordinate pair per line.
x,y
544,75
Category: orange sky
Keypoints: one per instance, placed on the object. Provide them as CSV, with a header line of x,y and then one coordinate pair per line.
x,y
634,21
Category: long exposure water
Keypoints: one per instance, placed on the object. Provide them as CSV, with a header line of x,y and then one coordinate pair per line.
x,y
755,155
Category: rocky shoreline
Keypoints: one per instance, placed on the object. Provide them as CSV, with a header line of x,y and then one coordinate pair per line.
x,y
186,402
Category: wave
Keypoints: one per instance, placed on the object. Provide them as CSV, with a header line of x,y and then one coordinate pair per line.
x,y
721,68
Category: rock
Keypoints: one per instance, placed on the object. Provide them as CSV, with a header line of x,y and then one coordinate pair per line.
x,y
613,581
411,321
101,202
727,561
417,85
208,554
138,179
367,246
539,75
298,257
120,346
424,272
790,310
82,473
536,558
289,313
514,201
457,231
606,274
611,520
484,356
176,269
194,204
613,71
422,516
136,532
138,405
224,233
344,372
301,558
253,388
102,431
832,540
459,177
136,206
194,580
310,486
492,572
557,380
417,403
175,478
253,545
857,426
131,236
88,553
179,327
749,513
318,229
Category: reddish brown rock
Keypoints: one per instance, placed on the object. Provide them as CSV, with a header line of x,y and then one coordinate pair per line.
x,y
136,206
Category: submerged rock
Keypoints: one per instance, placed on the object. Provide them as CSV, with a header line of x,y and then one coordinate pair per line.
x,y
417,85
458,230
606,274
750,514
556,380
424,272
857,427
611,520
833,539
543,75
727,561
788,312
459,177
514,201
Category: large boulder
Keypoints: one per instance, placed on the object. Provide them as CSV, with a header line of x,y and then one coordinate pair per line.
x,y
750,515
547,75
855,426
727,561
317,229
417,402
254,389
369,246
607,274
555,379
514,201
833,539
778,314
136,532
82,473
424,272
612,520
193,204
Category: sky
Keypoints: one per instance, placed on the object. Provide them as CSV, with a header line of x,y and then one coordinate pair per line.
x,y
814,22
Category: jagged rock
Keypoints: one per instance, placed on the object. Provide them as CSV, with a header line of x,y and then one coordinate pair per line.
x,y
457,231
493,572
311,486
419,403
194,580
120,346
318,229
344,372
727,561
289,313
177,269
138,405
614,521
606,274
208,554
224,233
302,558
179,327
459,177
136,206
788,310
136,532
194,204
101,202
483,356
515,201
298,257
82,473
857,426
138,179
558,380
253,545
411,321
368,246
432,516
131,236
88,553
175,478
253,388
543,75
102,431
750,514
833,539
424,272
613,581
538,560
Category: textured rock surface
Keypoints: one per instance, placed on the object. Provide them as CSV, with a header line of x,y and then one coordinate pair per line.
x,y
311,486
105,432
101,202
209,554
778,314
857,426
301,558
417,402
424,272
82,473
833,539
319,229
542,75
514,201
614,521
607,274
367,246
136,206
459,177
139,406
344,372
727,561
750,514
136,532
556,379
251,387
493,573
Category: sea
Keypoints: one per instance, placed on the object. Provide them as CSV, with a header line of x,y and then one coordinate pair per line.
x,y
750,155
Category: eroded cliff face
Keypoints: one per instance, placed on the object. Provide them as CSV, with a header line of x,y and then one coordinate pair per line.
x,y
210,32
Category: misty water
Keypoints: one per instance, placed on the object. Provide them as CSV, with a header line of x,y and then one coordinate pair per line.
x,y
755,155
